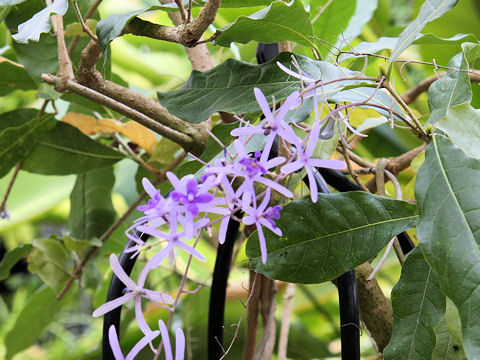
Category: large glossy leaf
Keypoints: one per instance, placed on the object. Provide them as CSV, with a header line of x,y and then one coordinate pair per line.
x,y
17,141
447,191
65,150
11,258
330,25
453,88
91,208
229,86
418,306
14,77
389,43
351,226
429,11
32,321
278,22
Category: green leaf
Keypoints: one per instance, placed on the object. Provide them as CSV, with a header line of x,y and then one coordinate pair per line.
x,y
453,321
454,88
32,321
332,22
418,305
14,77
351,226
429,11
389,43
17,141
11,258
77,245
10,2
447,187
229,86
91,209
446,347
65,150
48,260
363,13
462,124
278,22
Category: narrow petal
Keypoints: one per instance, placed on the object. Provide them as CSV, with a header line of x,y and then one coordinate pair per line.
x,y
174,180
153,232
192,186
292,167
313,138
191,250
313,184
276,186
120,273
158,258
149,188
240,148
263,243
292,101
158,297
114,344
142,324
249,220
263,103
265,201
329,164
166,340
247,130
113,304
274,162
268,225
179,345
268,147
223,230
294,74
141,344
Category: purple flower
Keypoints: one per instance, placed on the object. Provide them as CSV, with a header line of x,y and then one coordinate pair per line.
x,y
263,216
173,239
179,342
274,125
115,345
133,292
305,161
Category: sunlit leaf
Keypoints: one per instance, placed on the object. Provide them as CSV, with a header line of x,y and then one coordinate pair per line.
x,y
447,189
418,305
429,11
446,347
91,209
136,132
65,150
363,13
351,226
278,22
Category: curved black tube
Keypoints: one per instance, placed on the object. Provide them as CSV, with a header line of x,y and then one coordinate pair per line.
x,y
115,290
218,291
347,297
343,184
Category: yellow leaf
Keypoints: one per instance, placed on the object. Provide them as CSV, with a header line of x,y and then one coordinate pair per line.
x,y
137,133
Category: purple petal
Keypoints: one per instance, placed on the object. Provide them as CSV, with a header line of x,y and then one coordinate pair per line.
x,y
247,130
268,146
223,230
179,345
240,148
268,225
294,74
329,164
265,201
191,250
113,304
114,344
274,162
192,186
120,273
263,103
313,184
166,340
249,220
174,180
141,344
292,167
149,188
204,198
142,324
157,259
159,297
276,186
263,243
153,232
292,101
312,141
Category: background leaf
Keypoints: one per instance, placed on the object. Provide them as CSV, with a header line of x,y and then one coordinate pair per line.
x,y
430,10
65,150
446,346
17,141
32,321
418,305
91,209
11,258
14,77
448,184
278,22
351,226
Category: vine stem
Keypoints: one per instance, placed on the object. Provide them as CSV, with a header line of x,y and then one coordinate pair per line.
x,y
3,205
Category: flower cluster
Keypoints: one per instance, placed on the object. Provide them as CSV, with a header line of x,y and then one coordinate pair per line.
x,y
242,180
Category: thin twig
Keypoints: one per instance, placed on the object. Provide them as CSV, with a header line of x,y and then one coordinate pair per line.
x,y
3,205
286,313
350,168
85,27
88,15
181,10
